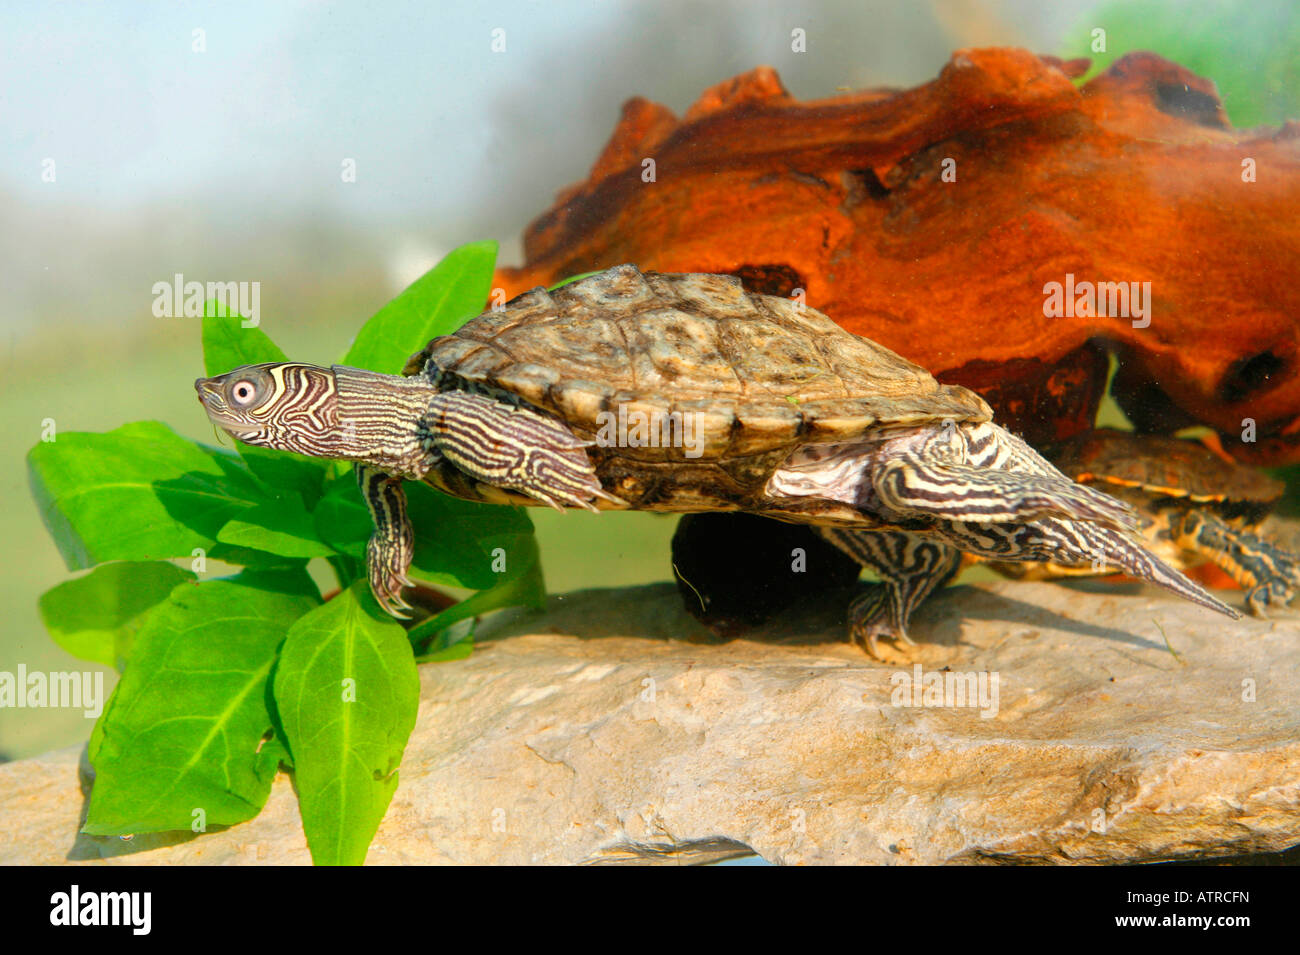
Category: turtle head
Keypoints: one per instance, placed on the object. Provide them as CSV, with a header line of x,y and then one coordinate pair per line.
x,y
284,405
342,413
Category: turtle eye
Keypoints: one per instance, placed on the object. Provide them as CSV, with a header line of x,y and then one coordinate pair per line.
x,y
243,392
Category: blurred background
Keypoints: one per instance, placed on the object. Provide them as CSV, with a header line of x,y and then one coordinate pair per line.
x,y
145,139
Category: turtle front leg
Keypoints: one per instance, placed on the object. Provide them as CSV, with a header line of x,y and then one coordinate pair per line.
x,y
910,569
1269,574
514,448
392,545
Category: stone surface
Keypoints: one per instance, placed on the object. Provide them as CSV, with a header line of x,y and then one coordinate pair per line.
x,y
610,730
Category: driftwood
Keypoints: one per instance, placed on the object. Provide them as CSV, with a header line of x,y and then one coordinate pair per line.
x,y
1133,177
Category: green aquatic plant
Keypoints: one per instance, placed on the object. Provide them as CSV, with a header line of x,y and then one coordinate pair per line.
x,y
224,679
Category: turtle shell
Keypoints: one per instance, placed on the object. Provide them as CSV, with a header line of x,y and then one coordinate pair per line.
x,y
1164,467
759,374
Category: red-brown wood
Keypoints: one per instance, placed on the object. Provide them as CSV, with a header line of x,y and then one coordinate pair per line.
x,y
1135,176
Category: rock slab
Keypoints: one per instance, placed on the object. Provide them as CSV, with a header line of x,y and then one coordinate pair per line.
x,y
1115,725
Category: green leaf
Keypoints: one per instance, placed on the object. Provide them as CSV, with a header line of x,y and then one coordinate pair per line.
x,y
95,617
465,544
347,692
284,470
184,727
227,345
438,302
342,519
456,541
140,492
460,650
525,587
283,527
273,753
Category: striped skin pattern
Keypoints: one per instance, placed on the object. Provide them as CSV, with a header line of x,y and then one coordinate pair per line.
x,y
285,405
995,477
914,488
392,546
379,417
1078,543
498,444
398,429
515,448
910,569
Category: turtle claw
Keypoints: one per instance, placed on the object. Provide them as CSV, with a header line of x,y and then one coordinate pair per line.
x,y
548,499
559,499
566,480
871,617
1273,594
392,601
397,608
387,562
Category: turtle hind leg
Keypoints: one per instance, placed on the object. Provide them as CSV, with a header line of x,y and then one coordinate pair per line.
x,y
1136,561
949,491
392,546
1076,543
910,569
1270,574
513,448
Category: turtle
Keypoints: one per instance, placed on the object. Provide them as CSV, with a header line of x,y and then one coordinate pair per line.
x,y
1193,505
686,393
